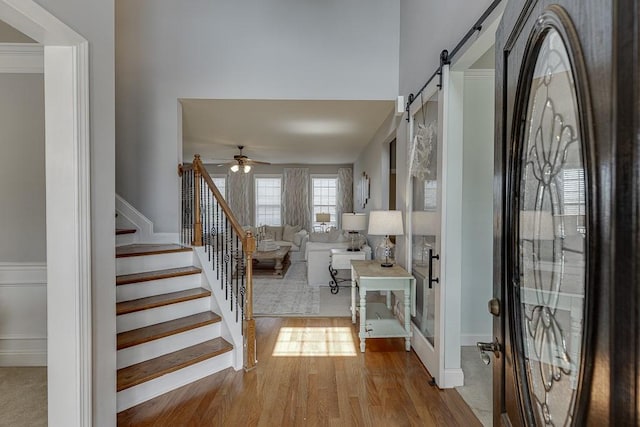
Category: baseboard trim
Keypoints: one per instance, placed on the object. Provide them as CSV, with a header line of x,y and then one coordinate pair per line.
x,y
23,359
452,378
23,351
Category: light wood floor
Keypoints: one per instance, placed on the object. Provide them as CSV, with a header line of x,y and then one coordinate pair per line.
x,y
386,386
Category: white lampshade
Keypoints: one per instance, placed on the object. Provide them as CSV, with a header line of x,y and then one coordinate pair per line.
x,y
235,168
536,225
246,168
424,223
323,217
385,223
354,221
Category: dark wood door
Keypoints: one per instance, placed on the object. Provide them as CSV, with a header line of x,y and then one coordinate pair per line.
x,y
566,209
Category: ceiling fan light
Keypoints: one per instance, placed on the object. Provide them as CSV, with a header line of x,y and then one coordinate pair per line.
x,y
247,168
235,168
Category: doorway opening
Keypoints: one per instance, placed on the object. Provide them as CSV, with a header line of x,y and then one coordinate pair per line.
x,y
477,235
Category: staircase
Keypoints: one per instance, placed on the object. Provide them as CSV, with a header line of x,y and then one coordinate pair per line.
x,y
168,335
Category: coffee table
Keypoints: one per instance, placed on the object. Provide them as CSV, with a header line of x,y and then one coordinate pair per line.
x,y
280,257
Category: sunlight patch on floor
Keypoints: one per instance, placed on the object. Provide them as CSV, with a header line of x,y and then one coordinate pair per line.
x,y
316,341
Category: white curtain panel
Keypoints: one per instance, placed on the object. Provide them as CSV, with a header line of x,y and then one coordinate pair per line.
x,y
345,193
239,196
295,197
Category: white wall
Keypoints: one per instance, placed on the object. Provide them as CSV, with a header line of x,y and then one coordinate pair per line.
x,y
23,314
374,161
477,205
254,49
426,28
94,20
22,181
23,274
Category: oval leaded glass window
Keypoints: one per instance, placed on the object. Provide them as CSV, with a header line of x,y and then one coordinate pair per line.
x,y
552,231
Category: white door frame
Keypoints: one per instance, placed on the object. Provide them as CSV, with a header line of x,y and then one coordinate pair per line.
x,y
67,142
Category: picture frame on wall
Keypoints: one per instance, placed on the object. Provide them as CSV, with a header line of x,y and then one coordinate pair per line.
x,y
363,189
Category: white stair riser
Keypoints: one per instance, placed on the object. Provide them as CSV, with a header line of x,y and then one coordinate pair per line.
x,y
139,264
140,353
126,239
150,389
157,287
140,319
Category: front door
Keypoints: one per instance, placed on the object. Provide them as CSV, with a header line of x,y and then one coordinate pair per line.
x,y
557,120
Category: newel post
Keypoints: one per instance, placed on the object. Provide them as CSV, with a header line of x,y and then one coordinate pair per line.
x,y
197,220
249,323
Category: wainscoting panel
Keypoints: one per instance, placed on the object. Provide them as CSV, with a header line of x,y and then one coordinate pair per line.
x,y
23,314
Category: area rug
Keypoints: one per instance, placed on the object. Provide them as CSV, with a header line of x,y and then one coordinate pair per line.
x,y
287,296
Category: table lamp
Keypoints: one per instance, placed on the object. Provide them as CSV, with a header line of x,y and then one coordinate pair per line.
x,y
424,224
323,218
385,223
353,223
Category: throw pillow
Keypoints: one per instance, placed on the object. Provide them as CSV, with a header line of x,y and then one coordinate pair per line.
x,y
319,237
289,231
274,232
343,237
299,237
334,235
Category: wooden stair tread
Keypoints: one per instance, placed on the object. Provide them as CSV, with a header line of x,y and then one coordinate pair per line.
x,y
146,276
165,329
120,231
149,249
148,370
131,306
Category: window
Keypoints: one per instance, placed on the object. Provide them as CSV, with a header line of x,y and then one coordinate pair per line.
x,y
268,199
207,201
324,194
221,183
430,195
573,191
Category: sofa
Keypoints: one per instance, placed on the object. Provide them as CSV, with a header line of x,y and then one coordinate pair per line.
x,y
318,254
284,235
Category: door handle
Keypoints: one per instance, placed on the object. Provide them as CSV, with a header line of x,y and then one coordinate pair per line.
x,y
431,278
484,347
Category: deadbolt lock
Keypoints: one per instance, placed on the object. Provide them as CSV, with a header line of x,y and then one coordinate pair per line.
x,y
494,306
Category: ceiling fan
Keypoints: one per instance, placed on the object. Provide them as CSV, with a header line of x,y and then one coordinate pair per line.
x,y
240,161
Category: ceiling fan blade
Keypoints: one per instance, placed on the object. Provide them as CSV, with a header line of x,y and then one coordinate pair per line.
x,y
256,162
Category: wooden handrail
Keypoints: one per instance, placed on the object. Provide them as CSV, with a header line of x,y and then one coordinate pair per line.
x,y
183,167
198,166
248,246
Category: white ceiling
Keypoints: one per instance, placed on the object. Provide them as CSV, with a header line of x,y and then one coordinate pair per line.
x,y
281,131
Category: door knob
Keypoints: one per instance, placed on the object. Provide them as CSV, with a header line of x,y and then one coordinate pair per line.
x,y
484,347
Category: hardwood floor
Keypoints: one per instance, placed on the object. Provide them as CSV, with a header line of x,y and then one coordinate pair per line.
x,y
297,382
